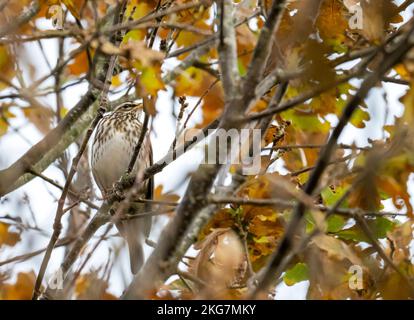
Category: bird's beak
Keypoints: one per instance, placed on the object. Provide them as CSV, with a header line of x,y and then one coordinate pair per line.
x,y
138,106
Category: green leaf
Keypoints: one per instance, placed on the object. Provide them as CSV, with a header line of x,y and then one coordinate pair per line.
x,y
331,196
359,118
242,69
310,222
262,239
335,223
298,273
135,35
379,227
306,121
236,212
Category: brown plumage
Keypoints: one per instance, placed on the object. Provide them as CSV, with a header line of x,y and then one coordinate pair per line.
x,y
115,139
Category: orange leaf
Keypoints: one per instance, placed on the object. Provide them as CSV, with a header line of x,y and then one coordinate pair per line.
x,y
6,237
79,65
21,290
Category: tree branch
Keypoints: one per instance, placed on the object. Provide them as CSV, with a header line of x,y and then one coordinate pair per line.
x,y
78,119
57,226
389,60
102,217
227,48
166,256
25,17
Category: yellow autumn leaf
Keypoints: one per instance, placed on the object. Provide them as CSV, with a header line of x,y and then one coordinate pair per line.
x,y
189,82
151,80
63,112
4,126
6,66
116,81
71,7
5,114
22,289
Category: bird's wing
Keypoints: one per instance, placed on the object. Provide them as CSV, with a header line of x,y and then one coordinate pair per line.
x,y
149,193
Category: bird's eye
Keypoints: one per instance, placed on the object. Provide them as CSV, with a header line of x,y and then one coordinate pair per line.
x,y
127,106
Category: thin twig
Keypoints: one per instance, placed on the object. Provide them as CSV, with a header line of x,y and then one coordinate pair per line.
x,y
57,185
24,257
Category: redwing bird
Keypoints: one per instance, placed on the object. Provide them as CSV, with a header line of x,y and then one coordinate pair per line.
x,y
116,136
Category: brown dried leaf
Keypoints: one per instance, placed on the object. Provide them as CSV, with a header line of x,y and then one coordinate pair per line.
x,y
220,255
40,116
91,287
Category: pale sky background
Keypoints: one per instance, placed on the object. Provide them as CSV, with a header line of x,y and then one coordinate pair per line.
x,y
12,146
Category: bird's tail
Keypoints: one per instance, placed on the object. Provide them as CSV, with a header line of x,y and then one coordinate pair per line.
x,y
136,252
134,234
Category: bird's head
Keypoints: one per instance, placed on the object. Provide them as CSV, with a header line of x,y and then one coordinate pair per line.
x,y
128,107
